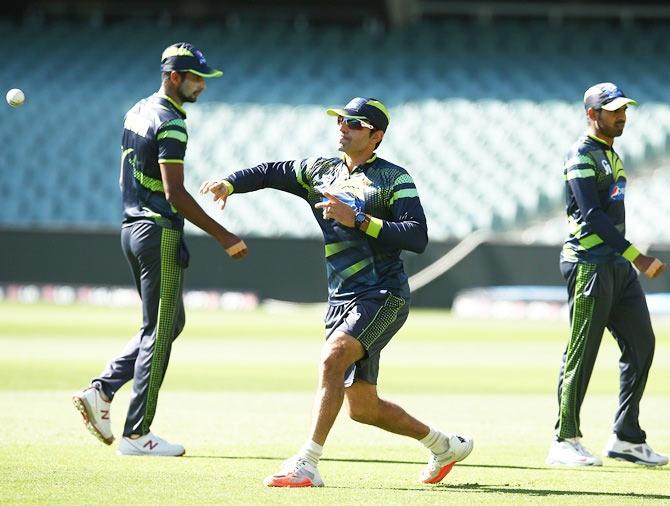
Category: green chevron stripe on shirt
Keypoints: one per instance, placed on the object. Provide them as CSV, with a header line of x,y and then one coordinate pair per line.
x,y
590,241
336,247
357,267
148,182
580,173
177,122
404,194
405,178
580,160
173,134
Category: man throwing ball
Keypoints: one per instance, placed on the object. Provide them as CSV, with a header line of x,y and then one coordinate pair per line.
x,y
368,210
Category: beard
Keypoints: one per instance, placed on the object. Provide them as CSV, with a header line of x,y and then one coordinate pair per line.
x,y
611,130
186,95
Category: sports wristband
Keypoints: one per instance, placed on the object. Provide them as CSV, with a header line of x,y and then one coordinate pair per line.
x,y
631,253
229,186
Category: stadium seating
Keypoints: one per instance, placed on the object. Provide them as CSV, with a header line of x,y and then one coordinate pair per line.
x,y
481,114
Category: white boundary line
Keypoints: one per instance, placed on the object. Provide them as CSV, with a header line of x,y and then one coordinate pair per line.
x,y
448,260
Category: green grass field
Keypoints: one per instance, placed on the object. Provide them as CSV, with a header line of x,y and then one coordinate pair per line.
x,y
238,395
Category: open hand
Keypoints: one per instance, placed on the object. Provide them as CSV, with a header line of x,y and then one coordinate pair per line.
x,y
218,189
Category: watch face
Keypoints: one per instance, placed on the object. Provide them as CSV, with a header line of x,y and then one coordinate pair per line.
x,y
359,219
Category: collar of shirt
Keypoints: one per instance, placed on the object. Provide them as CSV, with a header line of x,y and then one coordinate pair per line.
x,y
364,165
598,139
174,104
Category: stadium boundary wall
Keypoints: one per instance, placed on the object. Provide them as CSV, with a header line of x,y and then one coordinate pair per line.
x,y
283,269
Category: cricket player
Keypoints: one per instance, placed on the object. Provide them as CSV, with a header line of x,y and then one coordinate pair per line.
x,y
603,288
368,210
155,204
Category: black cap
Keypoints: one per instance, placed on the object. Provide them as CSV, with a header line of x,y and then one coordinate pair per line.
x,y
367,109
606,96
185,57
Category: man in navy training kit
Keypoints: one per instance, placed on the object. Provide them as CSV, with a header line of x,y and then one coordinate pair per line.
x,y
603,288
369,211
155,205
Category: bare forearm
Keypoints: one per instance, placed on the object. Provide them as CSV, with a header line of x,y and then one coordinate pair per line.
x,y
191,210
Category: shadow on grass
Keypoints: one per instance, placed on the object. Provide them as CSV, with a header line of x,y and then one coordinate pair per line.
x,y
497,489
368,461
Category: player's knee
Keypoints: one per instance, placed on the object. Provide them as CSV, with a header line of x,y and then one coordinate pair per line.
x,y
337,356
334,362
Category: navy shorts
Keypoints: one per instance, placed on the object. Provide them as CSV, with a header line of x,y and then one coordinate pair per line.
x,y
373,318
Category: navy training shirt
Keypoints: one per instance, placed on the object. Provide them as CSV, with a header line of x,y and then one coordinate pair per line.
x,y
154,132
356,262
595,187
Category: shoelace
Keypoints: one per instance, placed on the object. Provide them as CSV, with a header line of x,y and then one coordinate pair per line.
x,y
292,468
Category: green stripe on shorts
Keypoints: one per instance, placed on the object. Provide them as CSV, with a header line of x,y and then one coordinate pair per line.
x,y
385,316
582,311
171,275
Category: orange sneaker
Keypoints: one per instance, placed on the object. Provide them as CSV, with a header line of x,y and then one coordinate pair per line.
x,y
295,472
440,465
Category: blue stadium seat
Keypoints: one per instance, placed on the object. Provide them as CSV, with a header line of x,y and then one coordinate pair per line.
x,y
481,114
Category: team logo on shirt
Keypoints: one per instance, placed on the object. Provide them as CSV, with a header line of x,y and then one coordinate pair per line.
x,y
606,166
618,190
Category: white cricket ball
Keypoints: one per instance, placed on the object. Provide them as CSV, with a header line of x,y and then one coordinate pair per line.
x,y
15,97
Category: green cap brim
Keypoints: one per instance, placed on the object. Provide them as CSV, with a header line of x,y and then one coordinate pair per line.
x,y
214,73
343,113
618,103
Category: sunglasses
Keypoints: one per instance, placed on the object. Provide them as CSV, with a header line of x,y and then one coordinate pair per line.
x,y
354,124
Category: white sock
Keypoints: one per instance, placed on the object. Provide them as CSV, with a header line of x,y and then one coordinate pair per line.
x,y
436,441
311,452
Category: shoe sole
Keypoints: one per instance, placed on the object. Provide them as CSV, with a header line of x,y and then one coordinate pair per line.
x,y
270,482
81,406
441,474
137,453
572,464
624,457
447,469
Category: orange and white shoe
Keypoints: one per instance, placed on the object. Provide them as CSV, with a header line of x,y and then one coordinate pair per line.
x,y
440,465
295,472
95,412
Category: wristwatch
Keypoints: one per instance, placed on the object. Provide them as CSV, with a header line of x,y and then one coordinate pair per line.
x,y
359,219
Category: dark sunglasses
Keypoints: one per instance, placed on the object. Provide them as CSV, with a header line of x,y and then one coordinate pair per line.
x,y
353,123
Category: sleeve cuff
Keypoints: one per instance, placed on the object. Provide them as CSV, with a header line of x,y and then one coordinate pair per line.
x,y
631,253
374,227
229,186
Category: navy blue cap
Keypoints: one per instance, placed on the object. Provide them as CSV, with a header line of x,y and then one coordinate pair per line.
x,y
185,57
606,96
369,110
